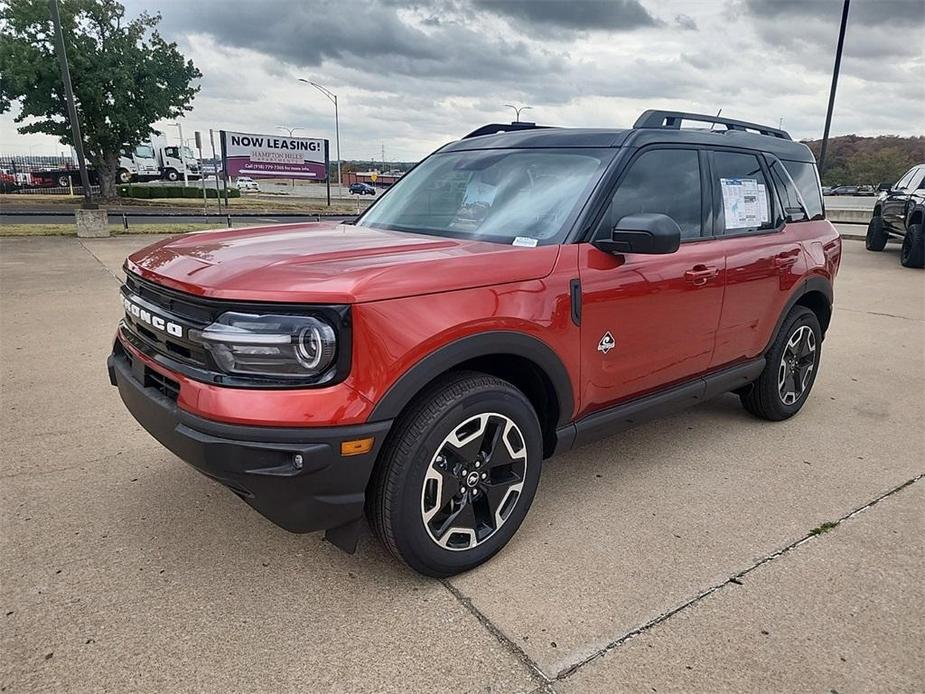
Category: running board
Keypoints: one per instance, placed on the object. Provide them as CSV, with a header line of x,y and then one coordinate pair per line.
x,y
604,423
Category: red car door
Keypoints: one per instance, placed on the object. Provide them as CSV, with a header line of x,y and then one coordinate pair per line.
x,y
763,260
649,321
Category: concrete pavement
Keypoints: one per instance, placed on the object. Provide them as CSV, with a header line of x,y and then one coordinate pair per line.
x,y
655,559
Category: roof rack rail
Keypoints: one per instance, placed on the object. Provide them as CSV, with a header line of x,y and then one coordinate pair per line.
x,y
493,128
672,120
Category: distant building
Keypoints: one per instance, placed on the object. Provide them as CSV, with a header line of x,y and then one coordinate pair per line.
x,y
383,180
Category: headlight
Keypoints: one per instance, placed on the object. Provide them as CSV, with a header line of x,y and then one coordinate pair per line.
x,y
293,347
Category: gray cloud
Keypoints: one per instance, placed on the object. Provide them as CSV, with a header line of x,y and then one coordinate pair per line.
x,y
580,15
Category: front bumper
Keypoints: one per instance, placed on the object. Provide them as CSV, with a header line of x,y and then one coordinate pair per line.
x,y
259,463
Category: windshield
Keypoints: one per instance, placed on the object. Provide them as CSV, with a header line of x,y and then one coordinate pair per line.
x,y
144,151
500,195
188,153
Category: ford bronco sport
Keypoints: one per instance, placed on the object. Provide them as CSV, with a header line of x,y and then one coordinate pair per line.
x,y
521,291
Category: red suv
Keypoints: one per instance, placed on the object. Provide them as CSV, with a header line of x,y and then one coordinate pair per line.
x,y
519,292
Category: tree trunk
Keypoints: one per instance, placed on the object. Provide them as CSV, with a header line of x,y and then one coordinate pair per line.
x,y
107,166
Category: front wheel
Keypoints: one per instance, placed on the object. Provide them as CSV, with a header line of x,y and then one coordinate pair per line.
x,y
912,253
172,175
457,475
790,370
124,176
876,235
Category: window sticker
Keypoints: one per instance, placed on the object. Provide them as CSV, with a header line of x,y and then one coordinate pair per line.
x,y
524,241
763,203
740,202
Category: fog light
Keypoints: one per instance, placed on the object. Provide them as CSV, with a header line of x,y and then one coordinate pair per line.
x,y
297,461
357,446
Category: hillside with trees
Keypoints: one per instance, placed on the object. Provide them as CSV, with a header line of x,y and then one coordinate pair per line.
x,y
854,160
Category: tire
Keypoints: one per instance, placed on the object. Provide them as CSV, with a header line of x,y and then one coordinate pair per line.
x,y
912,253
423,481
172,175
123,176
768,398
876,235
64,181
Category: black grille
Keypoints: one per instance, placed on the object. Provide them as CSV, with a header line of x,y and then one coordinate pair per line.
x,y
167,386
166,307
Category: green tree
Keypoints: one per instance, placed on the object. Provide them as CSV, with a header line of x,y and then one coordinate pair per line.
x,y
125,76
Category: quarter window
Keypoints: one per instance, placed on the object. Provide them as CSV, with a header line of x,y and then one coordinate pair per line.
x,y
807,182
742,191
663,181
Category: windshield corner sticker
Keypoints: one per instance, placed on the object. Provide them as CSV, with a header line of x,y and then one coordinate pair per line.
x,y
607,343
741,202
524,241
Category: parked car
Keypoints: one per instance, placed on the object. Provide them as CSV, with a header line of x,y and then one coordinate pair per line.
x,y
245,183
521,291
900,213
844,190
361,189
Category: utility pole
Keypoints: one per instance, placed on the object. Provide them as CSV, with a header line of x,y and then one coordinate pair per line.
x,y
828,113
71,106
179,128
518,110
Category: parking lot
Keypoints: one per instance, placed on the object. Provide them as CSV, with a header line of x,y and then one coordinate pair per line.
x,y
691,554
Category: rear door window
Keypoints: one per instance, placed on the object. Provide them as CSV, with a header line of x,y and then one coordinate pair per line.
x,y
741,192
807,181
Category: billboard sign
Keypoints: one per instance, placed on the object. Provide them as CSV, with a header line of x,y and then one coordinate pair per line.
x,y
274,156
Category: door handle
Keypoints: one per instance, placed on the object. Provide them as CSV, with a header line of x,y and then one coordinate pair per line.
x,y
699,275
786,259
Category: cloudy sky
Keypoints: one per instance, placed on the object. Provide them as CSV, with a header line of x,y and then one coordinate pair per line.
x,y
413,75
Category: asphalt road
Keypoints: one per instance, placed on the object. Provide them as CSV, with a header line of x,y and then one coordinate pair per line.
x,y
678,556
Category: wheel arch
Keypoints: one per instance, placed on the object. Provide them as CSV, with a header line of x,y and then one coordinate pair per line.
x,y
524,361
816,295
917,216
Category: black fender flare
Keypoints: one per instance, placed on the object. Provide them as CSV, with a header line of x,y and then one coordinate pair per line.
x,y
486,344
811,284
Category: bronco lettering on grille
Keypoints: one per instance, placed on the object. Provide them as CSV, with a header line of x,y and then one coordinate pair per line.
x,y
155,321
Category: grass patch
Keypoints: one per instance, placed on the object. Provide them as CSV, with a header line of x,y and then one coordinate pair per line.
x,y
248,203
114,229
824,528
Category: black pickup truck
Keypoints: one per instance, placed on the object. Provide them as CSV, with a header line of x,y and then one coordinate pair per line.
x,y
900,212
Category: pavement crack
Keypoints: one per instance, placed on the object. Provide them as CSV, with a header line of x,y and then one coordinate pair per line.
x,y
102,264
735,579
535,672
879,313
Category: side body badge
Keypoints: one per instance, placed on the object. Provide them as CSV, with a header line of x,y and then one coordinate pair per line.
x,y
607,343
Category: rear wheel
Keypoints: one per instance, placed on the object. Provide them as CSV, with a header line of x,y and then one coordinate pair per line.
x,y
912,253
790,371
458,474
876,234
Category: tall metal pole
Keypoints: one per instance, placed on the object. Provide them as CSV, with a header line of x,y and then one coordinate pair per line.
x,y
828,114
71,106
333,97
340,185
218,196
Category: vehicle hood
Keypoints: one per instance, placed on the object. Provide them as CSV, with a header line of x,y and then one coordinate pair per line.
x,y
328,262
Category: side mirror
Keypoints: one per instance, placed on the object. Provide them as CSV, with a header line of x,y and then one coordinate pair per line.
x,y
642,233
884,187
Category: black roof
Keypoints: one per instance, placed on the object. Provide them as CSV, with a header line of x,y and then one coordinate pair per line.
x,y
652,127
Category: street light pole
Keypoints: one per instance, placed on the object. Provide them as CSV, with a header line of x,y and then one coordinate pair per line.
x,y
333,97
290,131
179,128
828,113
71,106
517,111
